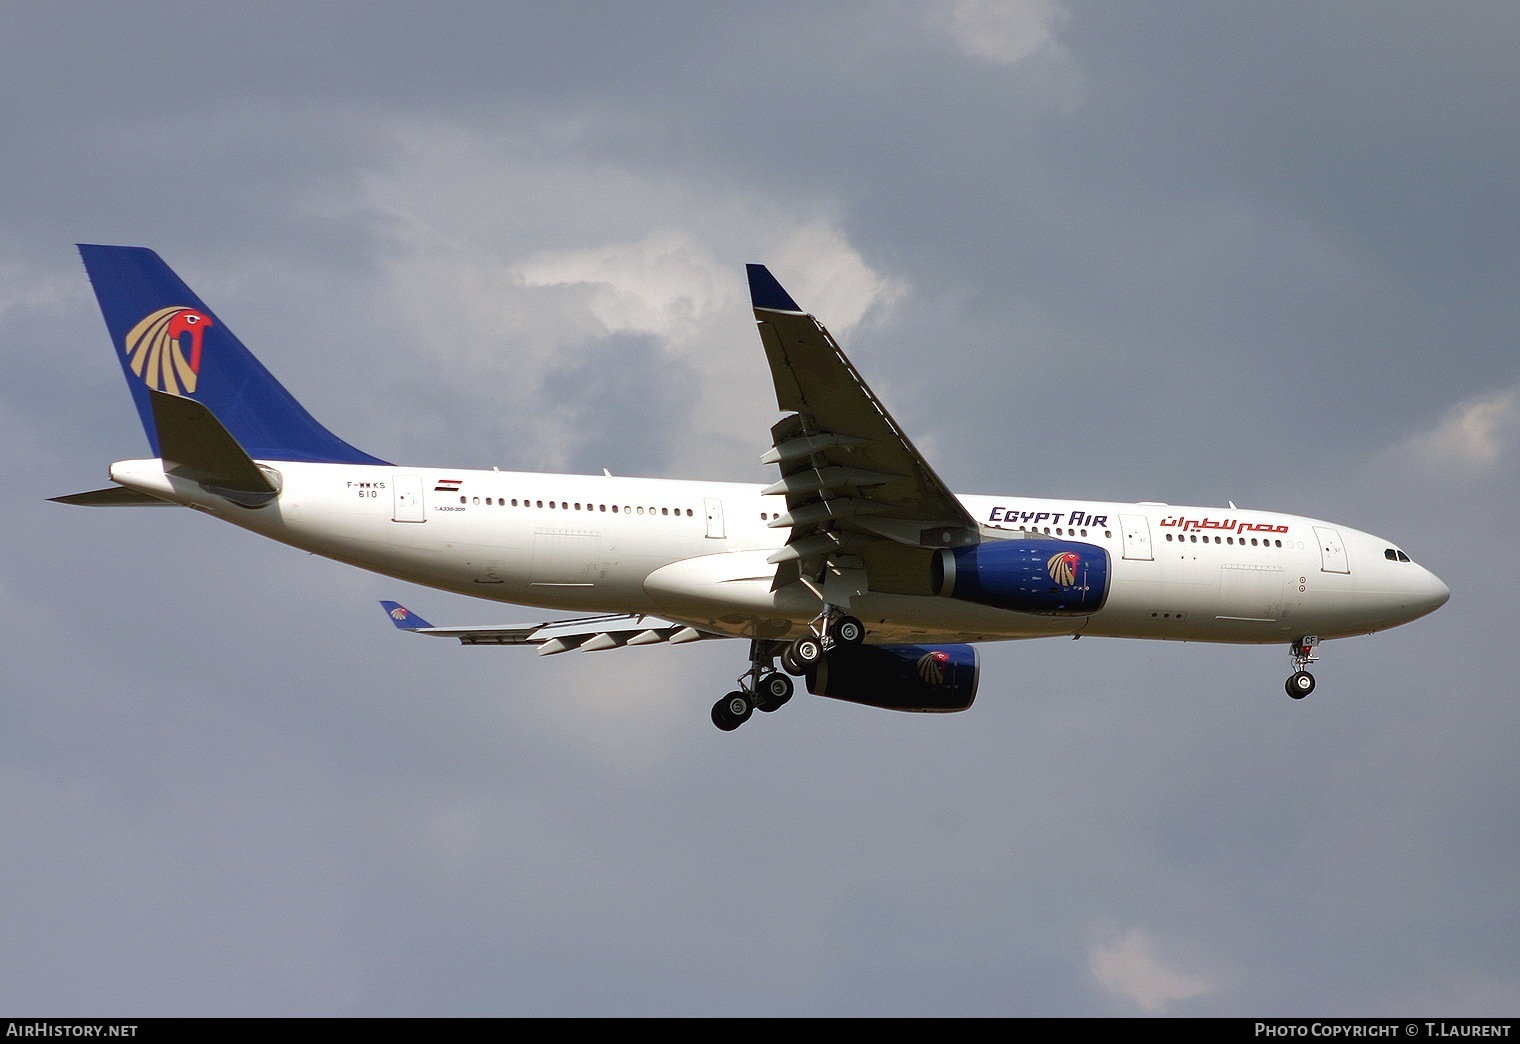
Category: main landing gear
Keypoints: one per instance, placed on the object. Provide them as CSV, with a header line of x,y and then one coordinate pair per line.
x,y
1301,683
760,688
828,630
765,689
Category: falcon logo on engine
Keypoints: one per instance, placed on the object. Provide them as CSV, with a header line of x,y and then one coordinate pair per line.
x,y
1063,567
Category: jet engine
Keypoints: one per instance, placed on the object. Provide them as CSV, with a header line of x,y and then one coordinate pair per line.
x,y
1048,577
924,678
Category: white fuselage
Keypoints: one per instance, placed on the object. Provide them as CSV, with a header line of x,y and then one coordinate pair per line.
x,y
696,552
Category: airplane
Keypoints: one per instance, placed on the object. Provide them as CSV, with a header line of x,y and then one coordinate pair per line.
x,y
857,570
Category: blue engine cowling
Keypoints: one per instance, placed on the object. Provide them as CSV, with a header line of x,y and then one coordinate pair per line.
x,y
924,678
1049,577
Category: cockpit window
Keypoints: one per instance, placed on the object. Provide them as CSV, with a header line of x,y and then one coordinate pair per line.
x,y
1393,554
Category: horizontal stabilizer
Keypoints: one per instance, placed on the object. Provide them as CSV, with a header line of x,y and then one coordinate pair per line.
x,y
589,634
113,496
195,445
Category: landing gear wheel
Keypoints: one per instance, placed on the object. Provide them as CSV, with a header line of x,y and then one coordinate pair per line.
x,y
774,691
790,665
1300,685
848,631
807,650
732,711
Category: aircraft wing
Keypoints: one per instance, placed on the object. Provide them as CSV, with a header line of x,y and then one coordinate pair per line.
x,y
854,483
588,634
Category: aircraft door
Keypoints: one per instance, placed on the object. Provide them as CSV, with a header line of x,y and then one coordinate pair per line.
x,y
408,493
714,518
1137,537
1332,551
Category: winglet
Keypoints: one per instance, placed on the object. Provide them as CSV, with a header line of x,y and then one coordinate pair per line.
x,y
404,618
765,292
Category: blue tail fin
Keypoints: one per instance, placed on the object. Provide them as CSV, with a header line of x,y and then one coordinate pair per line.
x,y
167,340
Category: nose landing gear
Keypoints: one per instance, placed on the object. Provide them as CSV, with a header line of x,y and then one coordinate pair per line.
x,y
1301,683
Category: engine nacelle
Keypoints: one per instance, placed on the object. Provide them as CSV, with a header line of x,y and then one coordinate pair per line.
x,y
924,678
1048,577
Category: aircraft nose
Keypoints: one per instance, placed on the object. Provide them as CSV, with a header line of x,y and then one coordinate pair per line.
x,y
1432,593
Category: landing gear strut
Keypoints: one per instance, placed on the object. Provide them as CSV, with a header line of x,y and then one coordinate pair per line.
x,y
829,629
764,688
760,688
1301,683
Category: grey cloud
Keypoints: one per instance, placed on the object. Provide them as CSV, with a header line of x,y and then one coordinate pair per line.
x,y
1206,255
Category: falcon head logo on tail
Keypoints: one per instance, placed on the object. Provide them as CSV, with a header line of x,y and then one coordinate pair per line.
x,y
157,351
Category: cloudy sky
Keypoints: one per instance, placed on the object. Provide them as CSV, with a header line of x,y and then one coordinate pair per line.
x,y
1178,252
